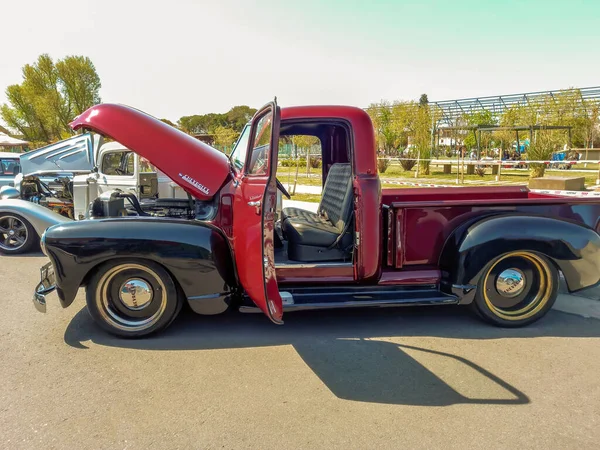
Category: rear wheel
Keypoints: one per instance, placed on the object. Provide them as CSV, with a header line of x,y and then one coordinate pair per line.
x,y
16,234
516,289
132,298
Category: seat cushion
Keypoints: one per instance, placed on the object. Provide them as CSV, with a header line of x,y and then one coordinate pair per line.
x,y
315,231
297,213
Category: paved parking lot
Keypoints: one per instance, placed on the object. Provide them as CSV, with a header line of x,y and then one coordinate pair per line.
x,y
397,378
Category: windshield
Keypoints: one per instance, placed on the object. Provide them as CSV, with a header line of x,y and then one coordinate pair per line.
x,y
238,156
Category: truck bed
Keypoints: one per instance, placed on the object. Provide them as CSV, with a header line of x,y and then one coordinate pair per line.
x,y
418,221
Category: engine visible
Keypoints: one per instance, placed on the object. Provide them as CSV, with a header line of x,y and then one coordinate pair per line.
x,y
119,204
57,196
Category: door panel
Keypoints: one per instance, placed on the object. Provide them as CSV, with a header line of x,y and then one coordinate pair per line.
x,y
254,215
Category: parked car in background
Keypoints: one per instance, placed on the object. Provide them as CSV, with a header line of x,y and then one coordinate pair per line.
x,y
10,167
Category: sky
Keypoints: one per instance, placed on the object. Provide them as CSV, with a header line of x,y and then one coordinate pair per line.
x,y
181,57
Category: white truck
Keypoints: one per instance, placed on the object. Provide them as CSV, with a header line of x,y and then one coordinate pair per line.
x,y
66,178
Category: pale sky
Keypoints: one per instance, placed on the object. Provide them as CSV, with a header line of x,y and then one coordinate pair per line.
x,y
181,57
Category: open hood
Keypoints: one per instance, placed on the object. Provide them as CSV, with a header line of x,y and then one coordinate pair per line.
x,y
195,166
74,155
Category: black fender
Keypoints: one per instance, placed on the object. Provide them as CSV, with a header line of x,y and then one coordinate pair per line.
x,y
196,254
573,247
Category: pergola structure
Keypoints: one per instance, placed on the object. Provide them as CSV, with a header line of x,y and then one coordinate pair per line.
x,y
452,110
478,129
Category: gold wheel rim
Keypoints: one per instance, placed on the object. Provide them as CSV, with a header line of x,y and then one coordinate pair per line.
x,y
541,297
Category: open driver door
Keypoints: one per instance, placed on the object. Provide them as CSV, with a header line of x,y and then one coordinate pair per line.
x,y
254,214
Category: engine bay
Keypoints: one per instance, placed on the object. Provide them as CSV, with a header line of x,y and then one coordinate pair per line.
x,y
120,204
57,195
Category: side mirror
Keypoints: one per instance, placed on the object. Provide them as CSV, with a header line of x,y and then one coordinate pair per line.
x,y
95,169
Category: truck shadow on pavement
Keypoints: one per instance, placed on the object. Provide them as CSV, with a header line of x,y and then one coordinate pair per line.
x,y
356,353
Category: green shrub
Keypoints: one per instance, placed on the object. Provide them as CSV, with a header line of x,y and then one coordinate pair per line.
x,y
293,162
382,164
408,163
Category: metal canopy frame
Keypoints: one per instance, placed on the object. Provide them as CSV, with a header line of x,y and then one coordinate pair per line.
x,y
452,110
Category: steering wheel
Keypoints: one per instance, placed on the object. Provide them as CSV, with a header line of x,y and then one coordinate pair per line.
x,y
282,189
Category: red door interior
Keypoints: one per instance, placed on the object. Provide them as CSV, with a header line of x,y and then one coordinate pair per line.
x,y
254,214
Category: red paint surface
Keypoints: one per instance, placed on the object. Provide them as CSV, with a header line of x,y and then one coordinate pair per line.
x,y
253,226
424,220
174,152
390,196
410,277
315,275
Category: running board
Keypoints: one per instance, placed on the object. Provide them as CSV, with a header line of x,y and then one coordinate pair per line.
x,y
411,300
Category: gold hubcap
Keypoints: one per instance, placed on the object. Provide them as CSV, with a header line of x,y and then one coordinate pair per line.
x,y
512,280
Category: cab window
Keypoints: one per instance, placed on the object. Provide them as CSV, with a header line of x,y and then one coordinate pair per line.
x,y
238,156
259,160
118,163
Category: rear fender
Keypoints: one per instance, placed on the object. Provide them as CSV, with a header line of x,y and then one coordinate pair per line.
x,y
195,253
38,216
574,248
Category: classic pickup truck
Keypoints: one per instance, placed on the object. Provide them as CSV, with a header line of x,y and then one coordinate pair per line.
x,y
499,249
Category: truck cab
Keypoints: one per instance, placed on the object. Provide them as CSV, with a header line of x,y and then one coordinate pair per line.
x,y
499,249
116,167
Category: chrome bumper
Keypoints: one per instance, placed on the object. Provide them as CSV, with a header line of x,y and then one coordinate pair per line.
x,y
45,287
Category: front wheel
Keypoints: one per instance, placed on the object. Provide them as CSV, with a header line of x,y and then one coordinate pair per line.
x,y
17,235
132,298
516,289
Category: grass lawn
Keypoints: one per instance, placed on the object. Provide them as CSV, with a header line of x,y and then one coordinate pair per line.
x,y
582,166
316,198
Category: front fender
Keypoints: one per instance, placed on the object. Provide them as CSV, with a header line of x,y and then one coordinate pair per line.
x,y
196,254
573,247
38,216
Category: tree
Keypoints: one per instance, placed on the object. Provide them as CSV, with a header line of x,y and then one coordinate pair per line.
x,y
238,116
224,136
50,96
168,122
234,119
422,137
202,124
387,131
423,100
477,118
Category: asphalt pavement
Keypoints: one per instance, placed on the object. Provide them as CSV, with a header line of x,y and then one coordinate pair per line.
x,y
390,378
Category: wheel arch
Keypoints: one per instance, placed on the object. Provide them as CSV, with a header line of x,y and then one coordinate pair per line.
x,y
196,255
38,216
573,248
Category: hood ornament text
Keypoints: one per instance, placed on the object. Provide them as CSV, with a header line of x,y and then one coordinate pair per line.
x,y
195,183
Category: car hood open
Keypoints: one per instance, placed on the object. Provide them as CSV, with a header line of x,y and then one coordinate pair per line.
x,y
73,155
195,166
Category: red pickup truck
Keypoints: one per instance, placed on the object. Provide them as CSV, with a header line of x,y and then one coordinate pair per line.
x,y
499,249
